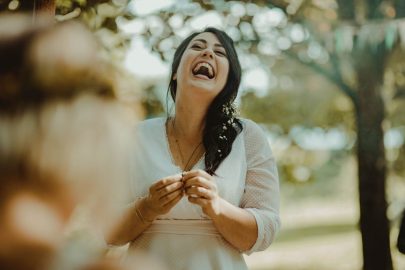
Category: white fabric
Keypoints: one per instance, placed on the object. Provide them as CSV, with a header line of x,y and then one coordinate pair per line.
x,y
185,238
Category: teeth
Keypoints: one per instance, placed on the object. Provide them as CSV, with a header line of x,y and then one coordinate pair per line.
x,y
204,64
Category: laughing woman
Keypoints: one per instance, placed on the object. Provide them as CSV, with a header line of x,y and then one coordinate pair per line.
x,y
205,188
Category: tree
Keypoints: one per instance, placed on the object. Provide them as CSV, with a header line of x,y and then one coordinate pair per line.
x,y
47,7
368,61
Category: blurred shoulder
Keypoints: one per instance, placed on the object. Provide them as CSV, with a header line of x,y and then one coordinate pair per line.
x,y
250,127
256,140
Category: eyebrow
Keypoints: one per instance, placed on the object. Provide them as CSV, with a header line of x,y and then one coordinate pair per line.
x,y
205,42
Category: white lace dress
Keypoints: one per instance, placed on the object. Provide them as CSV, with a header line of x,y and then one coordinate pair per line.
x,y
185,238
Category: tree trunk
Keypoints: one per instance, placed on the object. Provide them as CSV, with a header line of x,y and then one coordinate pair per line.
x,y
374,9
45,7
371,159
346,9
369,63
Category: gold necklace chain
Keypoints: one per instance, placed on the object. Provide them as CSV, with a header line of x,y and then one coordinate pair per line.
x,y
179,148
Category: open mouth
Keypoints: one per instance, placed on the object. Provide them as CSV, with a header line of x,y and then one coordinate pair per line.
x,y
204,69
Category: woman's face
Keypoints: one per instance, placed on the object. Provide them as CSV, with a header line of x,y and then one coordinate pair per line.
x,y
203,68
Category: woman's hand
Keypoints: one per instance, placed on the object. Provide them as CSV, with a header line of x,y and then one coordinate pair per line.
x,y
201,189
163,195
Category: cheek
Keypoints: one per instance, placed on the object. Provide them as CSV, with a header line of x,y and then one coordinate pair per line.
x,y
185,63
180,72
224,73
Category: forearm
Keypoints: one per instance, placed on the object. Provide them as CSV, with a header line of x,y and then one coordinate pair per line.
x,y
236,225
131,224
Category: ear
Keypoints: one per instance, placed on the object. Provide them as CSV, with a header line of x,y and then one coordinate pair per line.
x,y
174,77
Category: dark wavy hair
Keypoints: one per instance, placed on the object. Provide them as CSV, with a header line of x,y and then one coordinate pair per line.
x,y
216,147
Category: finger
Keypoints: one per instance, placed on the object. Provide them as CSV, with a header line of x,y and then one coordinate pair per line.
x,y
169,197
199,201
169,189
165,181
194,173
199,181
199,192
173,202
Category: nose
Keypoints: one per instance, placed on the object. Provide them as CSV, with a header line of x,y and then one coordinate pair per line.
x,y
208,53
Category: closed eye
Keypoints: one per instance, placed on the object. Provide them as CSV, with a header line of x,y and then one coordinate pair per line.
x,y
221,53
196,46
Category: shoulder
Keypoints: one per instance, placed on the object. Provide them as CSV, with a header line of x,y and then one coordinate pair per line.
x,y
251,128
257,145
247,123
255,137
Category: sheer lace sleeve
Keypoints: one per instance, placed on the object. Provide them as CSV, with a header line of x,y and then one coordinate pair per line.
x,y
262,194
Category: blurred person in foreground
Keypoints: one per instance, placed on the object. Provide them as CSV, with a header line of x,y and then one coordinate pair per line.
x,y
63,144
205,189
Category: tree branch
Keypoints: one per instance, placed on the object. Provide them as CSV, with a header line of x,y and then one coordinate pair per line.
x,y
336,75
336,66
335,79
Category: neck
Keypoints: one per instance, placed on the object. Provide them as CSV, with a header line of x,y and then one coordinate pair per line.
x,y
189,122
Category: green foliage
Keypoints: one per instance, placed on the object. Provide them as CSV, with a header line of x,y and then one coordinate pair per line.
x,y
287,109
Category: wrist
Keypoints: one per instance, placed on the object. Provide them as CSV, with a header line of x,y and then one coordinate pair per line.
x,y
217,209
146,212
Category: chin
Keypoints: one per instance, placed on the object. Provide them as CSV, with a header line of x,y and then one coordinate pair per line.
x,y
205,88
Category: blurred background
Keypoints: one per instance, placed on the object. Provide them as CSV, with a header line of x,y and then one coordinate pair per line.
x,y
325,79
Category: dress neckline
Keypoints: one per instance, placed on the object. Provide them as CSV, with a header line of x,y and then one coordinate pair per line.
x,y
169,152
